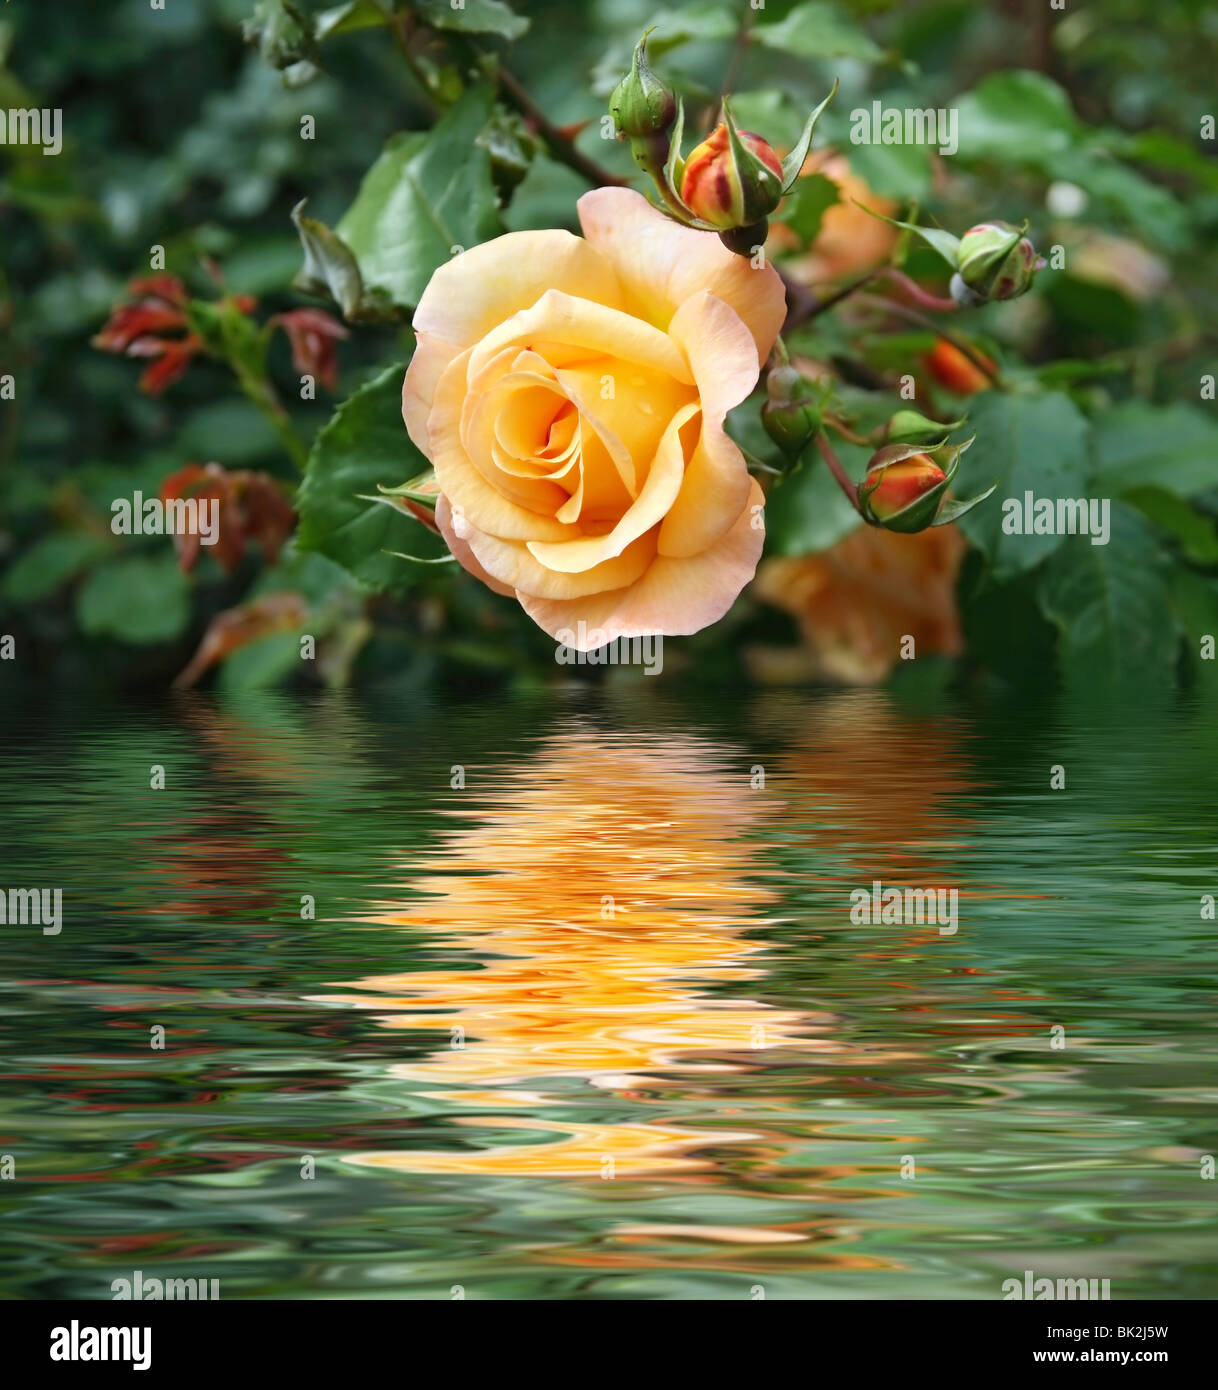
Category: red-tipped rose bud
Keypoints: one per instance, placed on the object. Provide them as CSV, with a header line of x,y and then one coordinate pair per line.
x,y
730,188
899,485
906,487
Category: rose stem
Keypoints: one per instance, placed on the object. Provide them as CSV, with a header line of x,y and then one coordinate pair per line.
x,y
562,146
835,467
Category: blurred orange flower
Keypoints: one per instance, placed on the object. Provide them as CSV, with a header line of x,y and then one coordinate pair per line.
x,y
856,601
850,240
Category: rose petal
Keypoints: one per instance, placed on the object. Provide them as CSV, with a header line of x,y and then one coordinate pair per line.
x,y
661,264
675,596
716,486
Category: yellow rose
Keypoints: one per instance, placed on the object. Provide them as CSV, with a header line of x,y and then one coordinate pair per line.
x,y
571,395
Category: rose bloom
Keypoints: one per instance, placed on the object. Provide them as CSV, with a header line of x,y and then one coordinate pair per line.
x,y
855,602
571,393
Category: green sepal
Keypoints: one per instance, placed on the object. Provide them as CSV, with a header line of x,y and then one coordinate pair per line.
x,y
953,507
674,165
794,161
936,238
753,177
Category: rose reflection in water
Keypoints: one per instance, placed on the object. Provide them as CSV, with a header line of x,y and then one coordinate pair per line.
x,y
604,892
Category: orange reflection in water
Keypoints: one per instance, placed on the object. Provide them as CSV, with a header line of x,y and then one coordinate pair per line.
x,y
602,888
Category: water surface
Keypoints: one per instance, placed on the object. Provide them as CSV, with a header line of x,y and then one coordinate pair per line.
x,y
558,996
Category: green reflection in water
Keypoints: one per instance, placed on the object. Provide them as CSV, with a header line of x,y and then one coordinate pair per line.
x,y
685,1073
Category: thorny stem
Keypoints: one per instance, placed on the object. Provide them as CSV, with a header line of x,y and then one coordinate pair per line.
x,y
917,293
835,467
561,146
806,304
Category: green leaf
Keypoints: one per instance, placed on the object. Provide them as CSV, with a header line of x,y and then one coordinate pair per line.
x,y
50,562
1111,606
364,445
808,512
139,600
545,198
893,171
472,17
1016,116
706,22
1025,120
330,268
819,30
259,665
282,31
427,194
1196,534
1157,216
807,204
1034,443
1195,603
1173,447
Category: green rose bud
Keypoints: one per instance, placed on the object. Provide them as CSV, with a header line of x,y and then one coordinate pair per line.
x,y
994,261
641,105
790,415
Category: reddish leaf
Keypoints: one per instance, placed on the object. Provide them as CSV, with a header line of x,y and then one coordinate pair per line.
x,y
314,336
238,627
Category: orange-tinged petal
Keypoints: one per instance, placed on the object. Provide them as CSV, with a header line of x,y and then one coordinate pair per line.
x,y
674,597
647,510
716,485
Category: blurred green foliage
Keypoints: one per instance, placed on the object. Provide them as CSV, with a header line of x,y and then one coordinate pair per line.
x,y
199,128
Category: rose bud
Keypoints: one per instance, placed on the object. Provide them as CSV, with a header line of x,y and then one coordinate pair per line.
x,y
994,261
643,111
911,427
732,183
790,416
906,487
893,487
950,368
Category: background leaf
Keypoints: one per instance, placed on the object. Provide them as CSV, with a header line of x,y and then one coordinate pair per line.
x,y
1110,605
427,193
472,17
138,600
365,444
1174,448
818,30
808,511
1034,442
